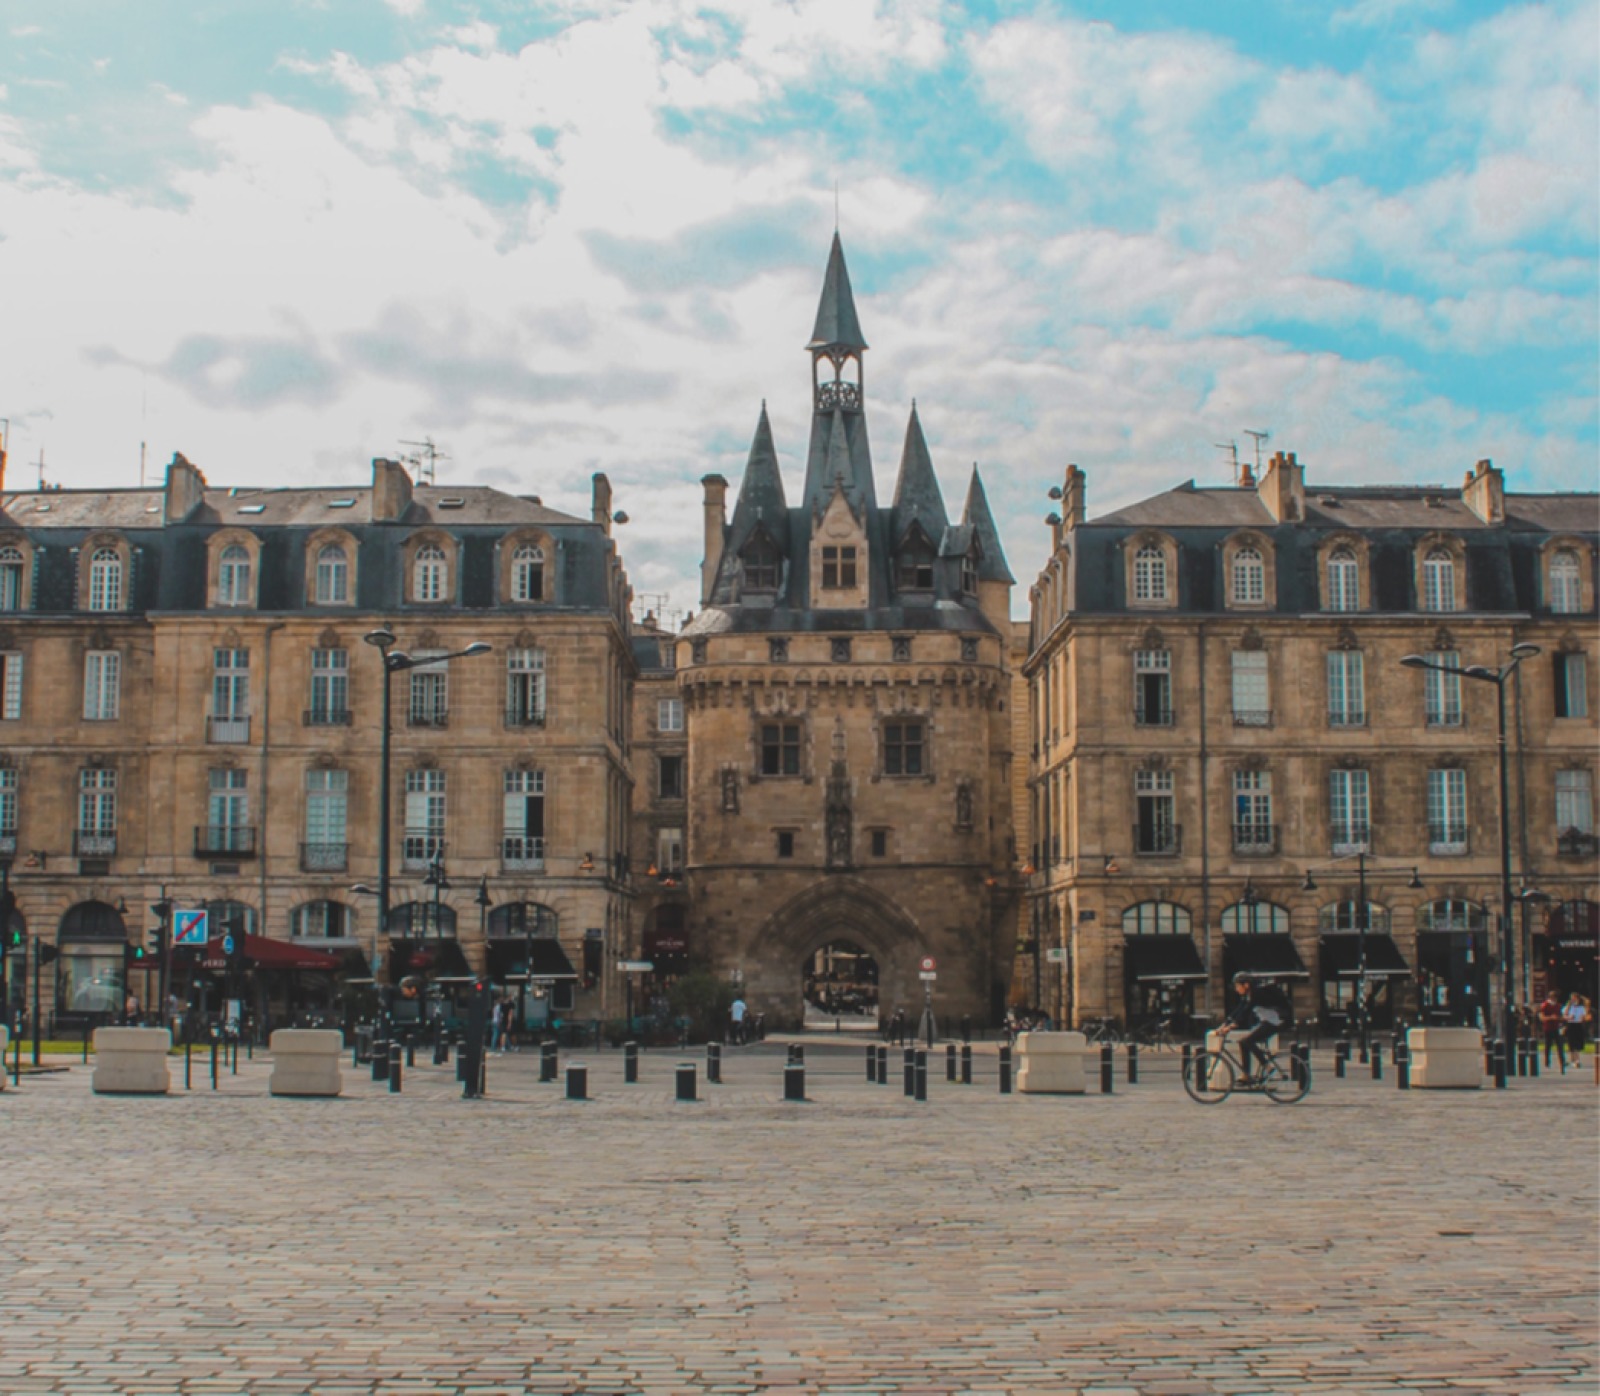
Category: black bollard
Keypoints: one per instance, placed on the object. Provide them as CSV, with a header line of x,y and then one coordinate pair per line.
x,y
380,1059
966,1063
1341,1055
394,1068
1005,1070
441,1050
1498,1055
1533,1057
922,1074
1377,1062
1107,1068
909,1061
794,1080
949,1061
1523,1053
577,1081
463,1061
686,1089
1133,1063
883,1066
1188,1056
213,1061
1402,1066
86,1044
872,1064
411,1050
966,1027
630,1063
713,1064
547,1061
1361,1050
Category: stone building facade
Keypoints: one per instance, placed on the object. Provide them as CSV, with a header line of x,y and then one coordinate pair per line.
x,y
847,690
190,714
1224,745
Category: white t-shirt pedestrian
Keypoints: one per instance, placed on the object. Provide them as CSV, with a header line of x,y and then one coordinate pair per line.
x,y
737,1011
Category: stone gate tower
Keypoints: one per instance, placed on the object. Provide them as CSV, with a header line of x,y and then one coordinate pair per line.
x,y
846,688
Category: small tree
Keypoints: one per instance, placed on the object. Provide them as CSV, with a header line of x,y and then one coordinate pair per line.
x,y
704,1000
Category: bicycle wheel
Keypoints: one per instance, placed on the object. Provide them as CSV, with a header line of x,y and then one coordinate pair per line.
x,y
1281,1087
1209,1078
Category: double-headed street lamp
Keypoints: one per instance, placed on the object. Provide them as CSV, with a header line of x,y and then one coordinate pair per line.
x,y
394,662
1498,678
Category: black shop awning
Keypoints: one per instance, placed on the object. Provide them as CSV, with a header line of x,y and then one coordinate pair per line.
x,y
1267,957
1161,957
1341,956
434,959
508,960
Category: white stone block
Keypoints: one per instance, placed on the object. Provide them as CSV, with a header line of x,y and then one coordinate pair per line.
x,y
1446,1058
306,1061
1052,1063
131,1061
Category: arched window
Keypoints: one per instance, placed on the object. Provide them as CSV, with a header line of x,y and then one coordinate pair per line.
x,y
429,574
233,576
1249,578
333,576
105,580
1566,584
527,573
422,921
1150,574
321,921
1452,916
522,919
10,579
1255,919
1340,918
1439,581
222,917
1344,581
1157,919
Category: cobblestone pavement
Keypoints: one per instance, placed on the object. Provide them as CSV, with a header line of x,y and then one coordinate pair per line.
x,y
1365,1240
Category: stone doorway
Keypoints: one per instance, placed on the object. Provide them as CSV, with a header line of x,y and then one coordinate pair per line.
x,y
840,987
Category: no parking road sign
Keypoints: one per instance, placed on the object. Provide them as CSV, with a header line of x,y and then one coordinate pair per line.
x,y
929,968
189,928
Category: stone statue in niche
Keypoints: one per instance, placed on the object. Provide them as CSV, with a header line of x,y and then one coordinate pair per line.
x,y
838,837
964,806
730,791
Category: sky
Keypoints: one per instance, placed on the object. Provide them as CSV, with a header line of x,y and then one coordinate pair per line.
x,y
287,236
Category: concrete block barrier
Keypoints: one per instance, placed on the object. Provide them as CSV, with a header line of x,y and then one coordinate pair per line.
x,y
131,1061
1052,1063
1449,1059
305,1061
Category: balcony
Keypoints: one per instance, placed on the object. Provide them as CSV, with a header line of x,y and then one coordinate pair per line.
x,y
1252,717
1351,838
1255,840
324,857
326,717
1447,840
94,843
428,717
1347,717
521,853
517,715
1577,843
1442,717
420,847
1153,715
225,841
1158,840
227,730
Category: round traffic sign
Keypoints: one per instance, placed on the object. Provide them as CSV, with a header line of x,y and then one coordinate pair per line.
x,y
227,945
929,963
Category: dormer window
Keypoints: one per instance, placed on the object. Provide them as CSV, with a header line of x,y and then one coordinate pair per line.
x,y
916,570
333,576
1249,578
1150,574
1566,584
1344,581
10,579
969,575
428,576
1439,581
761,567
838,569
233,576
527,573
105,580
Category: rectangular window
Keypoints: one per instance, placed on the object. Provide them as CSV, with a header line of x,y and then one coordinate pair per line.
x,y
330,686
1252,811
8,809
880,843
670,777
1349,811
1252,703
1447,812
228,811
327,839
1574,802
1157,829
10,686
425,809
838,569
785,843
780,748
1572,686
1441,692
1347,689
669,850
97,813
525,692
230,696
102,685
522,820
669,715
902,748
1152,688
430,691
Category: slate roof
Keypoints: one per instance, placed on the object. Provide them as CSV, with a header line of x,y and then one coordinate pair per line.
x,y
917,498
975,513
761,501
837,325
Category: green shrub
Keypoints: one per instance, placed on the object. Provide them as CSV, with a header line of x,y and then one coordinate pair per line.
x,y
704,1000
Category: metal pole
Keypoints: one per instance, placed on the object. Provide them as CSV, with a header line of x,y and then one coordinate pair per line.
x,y
380,932
38,974
1508,980
1362,916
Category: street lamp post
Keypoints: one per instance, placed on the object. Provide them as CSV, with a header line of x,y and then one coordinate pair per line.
x,y
394,662
1497,677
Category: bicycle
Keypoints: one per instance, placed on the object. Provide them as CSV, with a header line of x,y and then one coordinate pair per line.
x,y
1158,1034
1211,1077
1102,1030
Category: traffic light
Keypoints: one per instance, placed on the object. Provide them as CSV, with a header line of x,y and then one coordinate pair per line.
x,y
134,956
44,953
11,936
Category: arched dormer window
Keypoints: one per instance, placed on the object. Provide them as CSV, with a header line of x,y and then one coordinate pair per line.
x,y
333,576
1150,574
1343,581
1439,580
914,566
429,574
105,580
1566,583
762,566
11,574
527,573
1249,585
233,576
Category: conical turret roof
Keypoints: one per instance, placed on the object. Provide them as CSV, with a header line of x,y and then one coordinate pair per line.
x,y
975,514
917,498
837,324
761,501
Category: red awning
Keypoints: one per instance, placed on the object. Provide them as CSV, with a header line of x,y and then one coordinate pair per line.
x,y
270,954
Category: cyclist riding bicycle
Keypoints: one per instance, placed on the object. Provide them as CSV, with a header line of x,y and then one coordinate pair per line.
x,y
1262,1020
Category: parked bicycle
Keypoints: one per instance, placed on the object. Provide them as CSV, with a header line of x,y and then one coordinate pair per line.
x,y
1103,1031
1159,1033
1211,1077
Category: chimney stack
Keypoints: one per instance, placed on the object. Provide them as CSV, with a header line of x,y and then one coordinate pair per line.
x,y
716,530
391,491
186,489
1484,492
1073,499
1282,488
600,508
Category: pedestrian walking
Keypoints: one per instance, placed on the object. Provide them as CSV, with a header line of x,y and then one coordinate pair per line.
x,y
1576,1015
736,1013
1551,1029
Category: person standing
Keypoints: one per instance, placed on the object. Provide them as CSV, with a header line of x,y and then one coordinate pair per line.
x,y
1575,1015
1550,1028
736,1011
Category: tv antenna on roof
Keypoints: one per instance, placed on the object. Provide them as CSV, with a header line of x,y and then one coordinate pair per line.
x,y
1258,437
1232,448
426,458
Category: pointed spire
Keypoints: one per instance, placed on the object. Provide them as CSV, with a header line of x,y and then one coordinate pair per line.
x,y
975,513
837,325
917,497
761,498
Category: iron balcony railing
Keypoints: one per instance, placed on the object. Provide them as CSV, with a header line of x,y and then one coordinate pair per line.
x,y
324,857
1255,838
1153,715
520,715
1351,838
1577,843
326,717
1252,717
521,852
1447,839
225,730
419,847
94,843
225,840
1158,840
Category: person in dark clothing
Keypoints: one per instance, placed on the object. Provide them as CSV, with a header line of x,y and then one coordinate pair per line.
x,y
1260,1022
